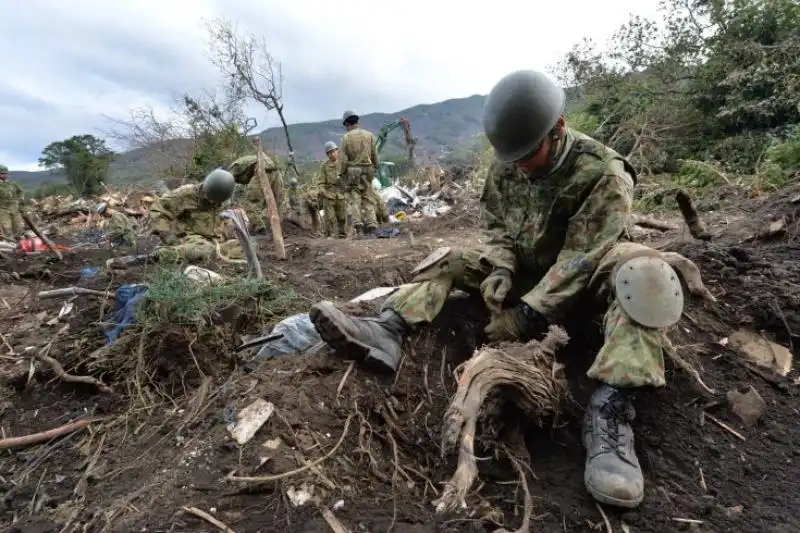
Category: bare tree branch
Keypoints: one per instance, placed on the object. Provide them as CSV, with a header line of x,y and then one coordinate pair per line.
x,y
250,70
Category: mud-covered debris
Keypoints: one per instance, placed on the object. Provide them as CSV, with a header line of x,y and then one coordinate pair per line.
x,y
749,406
249,420
759,351
301,496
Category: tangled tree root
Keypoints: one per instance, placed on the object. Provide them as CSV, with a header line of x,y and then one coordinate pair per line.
x,y
525,375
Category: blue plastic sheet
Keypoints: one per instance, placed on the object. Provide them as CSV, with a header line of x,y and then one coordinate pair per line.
x,y
128,298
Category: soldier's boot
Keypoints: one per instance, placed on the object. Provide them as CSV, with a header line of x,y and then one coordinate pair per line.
x,y
612,473
357,230
374,342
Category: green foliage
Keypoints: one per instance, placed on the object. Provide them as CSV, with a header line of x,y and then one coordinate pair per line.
x,y
217,136
176,299
84,159
786,153
739,153
585,123
711,81
698,175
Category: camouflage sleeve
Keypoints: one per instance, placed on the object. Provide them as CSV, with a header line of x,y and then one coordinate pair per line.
x,y
591,232
500,246
20,192
374,153
343,156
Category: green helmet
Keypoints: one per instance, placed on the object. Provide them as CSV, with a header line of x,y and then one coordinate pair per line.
x,y
3,169
218,185
349,114
101,207
330,146
519,112
293,182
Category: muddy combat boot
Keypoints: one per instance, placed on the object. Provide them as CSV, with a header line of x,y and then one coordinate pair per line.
x,y
374,342
612,474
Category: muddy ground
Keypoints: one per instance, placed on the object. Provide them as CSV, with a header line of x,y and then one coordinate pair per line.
x,y
368,446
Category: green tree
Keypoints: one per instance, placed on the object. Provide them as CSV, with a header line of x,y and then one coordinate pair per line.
x,y
84,159
218,133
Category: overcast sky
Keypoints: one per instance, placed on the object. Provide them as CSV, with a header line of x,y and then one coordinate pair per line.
x,y
65,64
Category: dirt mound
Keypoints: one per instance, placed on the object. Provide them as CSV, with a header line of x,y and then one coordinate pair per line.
x,y
340,434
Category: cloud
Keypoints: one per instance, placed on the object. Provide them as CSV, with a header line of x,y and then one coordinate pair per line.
x,y
74,62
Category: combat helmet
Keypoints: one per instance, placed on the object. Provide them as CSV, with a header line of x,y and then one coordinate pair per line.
x,y
293,182
3,169
349,114
519,112
218,185
330,146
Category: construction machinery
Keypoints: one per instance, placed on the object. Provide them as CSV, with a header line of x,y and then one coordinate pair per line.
x,y
387,173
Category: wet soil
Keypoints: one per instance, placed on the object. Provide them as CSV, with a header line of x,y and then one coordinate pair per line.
x,y
372,442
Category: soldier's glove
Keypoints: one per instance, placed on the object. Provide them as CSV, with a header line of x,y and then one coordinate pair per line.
x,y
514,324
494,289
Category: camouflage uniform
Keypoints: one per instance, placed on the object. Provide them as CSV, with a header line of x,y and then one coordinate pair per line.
x,y
244,172
120,229
359,164
334,199
561,236
190,227
309,206
11,196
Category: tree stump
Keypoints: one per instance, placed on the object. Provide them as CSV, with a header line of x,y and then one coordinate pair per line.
x,y
526,375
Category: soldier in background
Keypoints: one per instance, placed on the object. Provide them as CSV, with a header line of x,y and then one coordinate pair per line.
x,y
11,196
359,165
334,196
119,228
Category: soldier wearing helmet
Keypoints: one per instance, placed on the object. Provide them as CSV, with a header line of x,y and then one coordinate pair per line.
x,y
188,223
358,166
333,195
556,204
11,197
119,228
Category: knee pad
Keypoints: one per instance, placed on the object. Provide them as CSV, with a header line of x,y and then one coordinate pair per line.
x,y
649,291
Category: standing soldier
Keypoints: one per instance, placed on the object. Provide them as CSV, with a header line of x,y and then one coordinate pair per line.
x,y
10,199
333,195
359,164
244,172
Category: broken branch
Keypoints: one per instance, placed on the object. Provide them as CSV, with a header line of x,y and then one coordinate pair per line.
x,y
208,518
73,291
63,375
39,234
35,438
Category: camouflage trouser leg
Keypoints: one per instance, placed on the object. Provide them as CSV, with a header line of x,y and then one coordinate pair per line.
x,y
192,248
335,216
424,299
381,210
353,207
10,223
631,355
368,217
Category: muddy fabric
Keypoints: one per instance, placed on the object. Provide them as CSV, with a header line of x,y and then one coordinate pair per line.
x,y
333,199
381,209
310,206
359,164
244,172
120,229
194,248
560,235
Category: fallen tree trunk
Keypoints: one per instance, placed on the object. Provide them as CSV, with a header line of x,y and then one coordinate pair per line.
x,y
525,375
